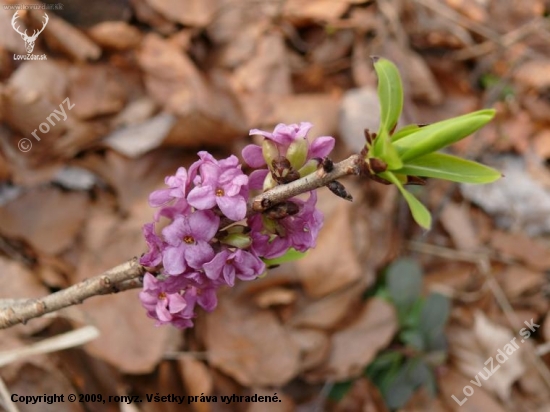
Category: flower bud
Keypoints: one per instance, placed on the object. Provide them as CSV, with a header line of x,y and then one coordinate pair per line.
x,y
270,151
297,153
310,167
238,240
269,182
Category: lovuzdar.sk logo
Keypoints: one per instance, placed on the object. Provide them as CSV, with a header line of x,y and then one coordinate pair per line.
x,y
29,40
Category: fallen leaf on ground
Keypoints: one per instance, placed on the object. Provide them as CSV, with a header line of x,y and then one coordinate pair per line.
x,y
356,345
250,345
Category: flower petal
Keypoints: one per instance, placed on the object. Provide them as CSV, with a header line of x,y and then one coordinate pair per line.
x,y
203,225
232,207
252,155
321,147
202,197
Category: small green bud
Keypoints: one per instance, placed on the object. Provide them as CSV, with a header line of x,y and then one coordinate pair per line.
x,y
269,182
269,151
238,240
310,167
297,153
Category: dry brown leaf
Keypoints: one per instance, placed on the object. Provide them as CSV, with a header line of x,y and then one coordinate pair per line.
x,y
356,345
275,296
205,115
146,14
95,90
541,144
421,82
328,311
316,9
471,9
36,216
268,71
117,35
29,103
323,271
34,380
314,346
136,140
517,245
197,379
9,38
453,383
134,179
243,45
250,345
322,110
455,276
474,349
456,220
363,396
129,340
517,280
61,36
533,74
422,401
190,13
19,282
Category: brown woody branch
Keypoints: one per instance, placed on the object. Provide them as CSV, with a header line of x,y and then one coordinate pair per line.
x,y
128,275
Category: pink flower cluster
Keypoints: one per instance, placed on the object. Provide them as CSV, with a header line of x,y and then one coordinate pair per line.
x,y
193,256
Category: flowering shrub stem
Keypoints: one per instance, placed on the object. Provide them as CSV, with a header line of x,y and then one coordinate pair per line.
x,y
128,275
349,166
117,279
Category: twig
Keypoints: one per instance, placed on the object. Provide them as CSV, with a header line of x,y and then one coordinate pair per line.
x,y
63,341
6,397
350,166
108,282
126,276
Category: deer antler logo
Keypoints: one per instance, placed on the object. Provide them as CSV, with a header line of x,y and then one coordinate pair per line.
x,y
29,40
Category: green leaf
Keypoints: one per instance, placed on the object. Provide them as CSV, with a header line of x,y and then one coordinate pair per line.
x,y
411,317
404,132
390,93
289,256
419,212
434,315
449,167
404,280
384,362
436,136
384,369
413,338
339,390
384,150
398,393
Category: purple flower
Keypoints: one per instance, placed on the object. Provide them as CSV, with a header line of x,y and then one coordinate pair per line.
x,y
187,238
165,302
156,246
272,238
266,243
229,265
303,228
220,183
178,185
283,136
